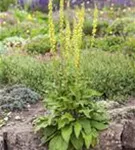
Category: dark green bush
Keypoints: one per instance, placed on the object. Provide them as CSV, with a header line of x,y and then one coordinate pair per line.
x,y
39,44
4,4
111,74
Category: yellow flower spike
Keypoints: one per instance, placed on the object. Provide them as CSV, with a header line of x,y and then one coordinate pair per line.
x,y
61,12
61,15
95,22
77,35
51,27
68,48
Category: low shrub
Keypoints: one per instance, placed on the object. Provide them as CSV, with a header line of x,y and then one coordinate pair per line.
x,y
39,44
25,30
7,18
129,47
109,43
122,27
17,97
14,43
3,48
23,70
111,74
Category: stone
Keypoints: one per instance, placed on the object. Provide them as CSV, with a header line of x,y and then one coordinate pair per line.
x,y
110,139
18,118
1,143
128,136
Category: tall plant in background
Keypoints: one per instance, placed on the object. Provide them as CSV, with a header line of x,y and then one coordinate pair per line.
x,y
95,22
74,119
51,27
61,12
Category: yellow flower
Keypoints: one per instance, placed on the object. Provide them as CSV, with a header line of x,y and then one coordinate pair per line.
x,y
129,8
28,31
4,23
101,12
111,32
124,10
29,17
111,8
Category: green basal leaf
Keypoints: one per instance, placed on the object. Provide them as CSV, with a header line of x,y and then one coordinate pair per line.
x,y
40,126
64,120
94,142
77,142
86,112
48,133
98,125
77,128
88,139
85,125
94,132
58,143
66,133
67,116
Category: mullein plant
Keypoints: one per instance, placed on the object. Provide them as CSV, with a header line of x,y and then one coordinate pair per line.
x,y
74,119
95,22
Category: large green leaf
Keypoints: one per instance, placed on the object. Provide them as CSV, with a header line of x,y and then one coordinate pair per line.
x,y
77,143
86,112
66,132
41,123
77,128
58,143
85,125
87,139
98,125
64,120
94,132
48,133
